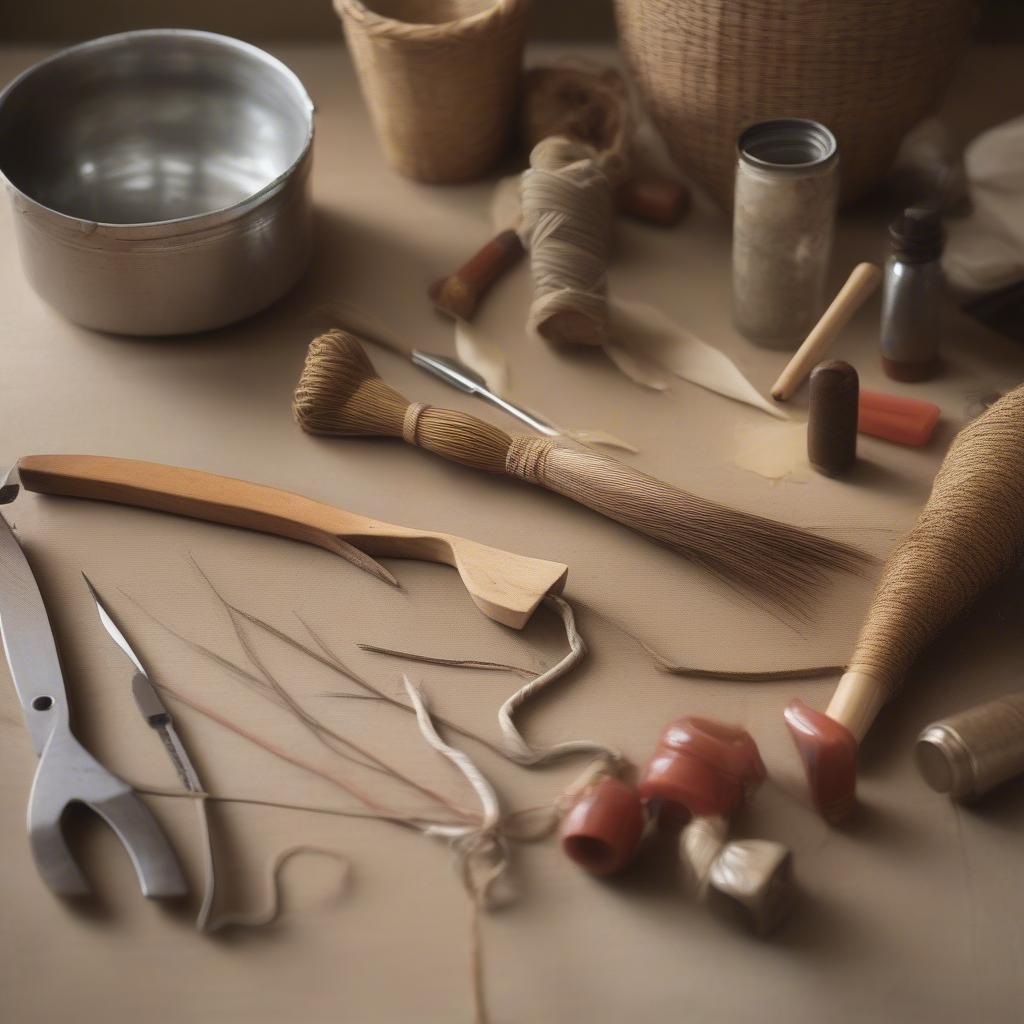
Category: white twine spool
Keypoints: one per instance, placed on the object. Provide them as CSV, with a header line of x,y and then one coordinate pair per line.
x,y
566,225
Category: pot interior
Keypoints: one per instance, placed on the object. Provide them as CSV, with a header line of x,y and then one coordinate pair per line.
x,y
151,127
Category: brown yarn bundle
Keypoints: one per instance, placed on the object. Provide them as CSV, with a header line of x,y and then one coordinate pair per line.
x,y
970,532
589,106
340,393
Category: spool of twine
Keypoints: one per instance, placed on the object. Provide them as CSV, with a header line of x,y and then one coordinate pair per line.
x,y
969,753
440,78
567,214
970,532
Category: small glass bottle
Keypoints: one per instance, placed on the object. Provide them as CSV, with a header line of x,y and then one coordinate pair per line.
x,y
783,223
913,296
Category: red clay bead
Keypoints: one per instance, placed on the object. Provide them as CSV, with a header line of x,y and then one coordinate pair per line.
x,y
702,767
603,830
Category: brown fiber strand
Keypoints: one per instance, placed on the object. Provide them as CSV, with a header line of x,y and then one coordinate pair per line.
x,y
970,532
340,393
269,688
474,663
271,748
772,675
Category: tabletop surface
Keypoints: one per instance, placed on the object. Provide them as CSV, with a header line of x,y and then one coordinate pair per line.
x,y
913,911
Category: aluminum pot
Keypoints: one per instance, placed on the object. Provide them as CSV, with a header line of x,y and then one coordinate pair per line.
x,y
160,180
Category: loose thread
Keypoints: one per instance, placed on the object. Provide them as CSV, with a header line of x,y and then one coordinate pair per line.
x,y
473,663
515,745
729,675
471,844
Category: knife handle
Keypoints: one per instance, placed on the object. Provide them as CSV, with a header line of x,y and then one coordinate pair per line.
x,y
506,587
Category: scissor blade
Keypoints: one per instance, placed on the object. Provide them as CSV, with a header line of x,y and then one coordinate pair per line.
x,y
28,642
111,626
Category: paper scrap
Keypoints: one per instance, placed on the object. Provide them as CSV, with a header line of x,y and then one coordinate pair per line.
x,y
645,330
773,450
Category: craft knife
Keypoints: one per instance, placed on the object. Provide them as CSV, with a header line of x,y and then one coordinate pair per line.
x,y
150,706
460,376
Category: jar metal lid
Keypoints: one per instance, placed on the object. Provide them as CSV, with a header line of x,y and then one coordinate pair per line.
x,y
788,145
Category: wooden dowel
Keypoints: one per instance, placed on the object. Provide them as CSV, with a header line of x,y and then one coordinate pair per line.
x,y
653,200
458,294
859,285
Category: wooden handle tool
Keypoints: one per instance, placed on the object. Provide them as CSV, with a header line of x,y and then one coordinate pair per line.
x,y
504,586
862,281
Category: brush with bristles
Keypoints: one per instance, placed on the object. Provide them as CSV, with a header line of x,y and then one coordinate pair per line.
x,y
341,393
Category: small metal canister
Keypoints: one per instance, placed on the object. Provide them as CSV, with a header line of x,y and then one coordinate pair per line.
x,y
970,753
783,223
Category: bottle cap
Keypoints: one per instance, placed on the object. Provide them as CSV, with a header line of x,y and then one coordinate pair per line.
x,y
917,235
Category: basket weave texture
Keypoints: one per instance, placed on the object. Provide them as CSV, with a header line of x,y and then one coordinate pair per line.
x,y
440,78
868,69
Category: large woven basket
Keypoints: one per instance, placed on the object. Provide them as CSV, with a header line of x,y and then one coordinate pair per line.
x,y
440,78
868,69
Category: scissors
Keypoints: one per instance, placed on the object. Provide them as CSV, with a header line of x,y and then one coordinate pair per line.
x,y
67,773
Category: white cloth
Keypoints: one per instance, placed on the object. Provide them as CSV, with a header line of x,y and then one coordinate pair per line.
x,y
985,250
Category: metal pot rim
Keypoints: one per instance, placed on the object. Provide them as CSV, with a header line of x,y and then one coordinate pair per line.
x,y
177,225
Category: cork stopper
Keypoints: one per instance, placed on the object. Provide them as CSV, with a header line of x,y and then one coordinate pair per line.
x,y
833,415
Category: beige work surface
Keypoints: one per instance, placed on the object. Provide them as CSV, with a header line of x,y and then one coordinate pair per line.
x,y
912,913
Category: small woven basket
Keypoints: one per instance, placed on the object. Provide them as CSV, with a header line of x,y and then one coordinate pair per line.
x,y
441,79
868,69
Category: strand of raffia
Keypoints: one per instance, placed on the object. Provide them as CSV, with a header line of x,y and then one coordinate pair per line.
x,y
566,226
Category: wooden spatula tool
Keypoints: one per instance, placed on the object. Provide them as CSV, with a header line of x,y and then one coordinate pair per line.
x,y
504,586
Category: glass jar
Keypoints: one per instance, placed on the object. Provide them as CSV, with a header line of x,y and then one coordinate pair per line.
x,y
783,222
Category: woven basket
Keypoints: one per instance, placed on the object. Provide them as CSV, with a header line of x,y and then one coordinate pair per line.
x,y
868,69
440,78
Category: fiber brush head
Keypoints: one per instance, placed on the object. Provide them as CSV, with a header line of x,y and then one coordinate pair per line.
x,y
829,753
340,392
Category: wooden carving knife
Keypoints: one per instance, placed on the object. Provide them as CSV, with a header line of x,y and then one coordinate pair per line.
x,y
504,586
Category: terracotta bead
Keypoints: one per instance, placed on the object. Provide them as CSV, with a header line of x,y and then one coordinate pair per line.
x,y
603,830
702,767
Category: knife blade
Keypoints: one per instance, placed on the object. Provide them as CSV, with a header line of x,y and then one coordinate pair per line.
x,y
148,701
460,376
